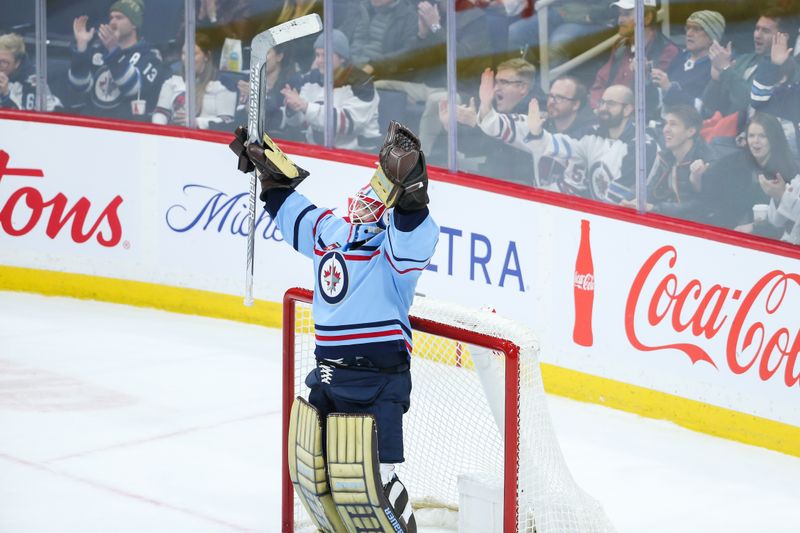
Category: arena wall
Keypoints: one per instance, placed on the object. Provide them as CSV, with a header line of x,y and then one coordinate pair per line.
x,y
690,324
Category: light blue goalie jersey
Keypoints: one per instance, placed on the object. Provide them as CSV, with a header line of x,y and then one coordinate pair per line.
x,y
361,296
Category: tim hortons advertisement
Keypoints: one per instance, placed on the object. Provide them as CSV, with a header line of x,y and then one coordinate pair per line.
x,y
666,311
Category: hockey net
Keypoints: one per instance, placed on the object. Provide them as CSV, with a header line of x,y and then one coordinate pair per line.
x,y
478,410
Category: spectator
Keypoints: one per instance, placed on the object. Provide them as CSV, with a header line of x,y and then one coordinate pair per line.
x,y
278,76
507,94
731,80
568,108
734,184
567,21
355,101
215,104
618,70
669,188
600,164
17,76
380,30
689,73
784,208
109,76
568,113
775,89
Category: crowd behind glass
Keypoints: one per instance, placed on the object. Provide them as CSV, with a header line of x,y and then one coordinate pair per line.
x,y
721,88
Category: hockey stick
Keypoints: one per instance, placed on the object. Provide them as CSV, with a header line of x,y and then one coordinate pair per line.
x,y
294,29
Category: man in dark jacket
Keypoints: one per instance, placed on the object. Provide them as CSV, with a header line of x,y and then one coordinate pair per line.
x,y
669,187
618,70
107,77
731,78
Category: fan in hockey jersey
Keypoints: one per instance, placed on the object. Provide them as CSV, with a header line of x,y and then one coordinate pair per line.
x,y
111,66
366,268
355,100
17,76
215,104
600,163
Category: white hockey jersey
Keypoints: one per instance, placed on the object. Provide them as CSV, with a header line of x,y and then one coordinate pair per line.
x,y
218,105
592,165
355,111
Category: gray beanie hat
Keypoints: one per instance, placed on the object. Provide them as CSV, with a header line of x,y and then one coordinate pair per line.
x,y
712,23
341,46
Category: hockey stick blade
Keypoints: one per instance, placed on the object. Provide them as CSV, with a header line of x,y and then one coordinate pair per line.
x,y
260,45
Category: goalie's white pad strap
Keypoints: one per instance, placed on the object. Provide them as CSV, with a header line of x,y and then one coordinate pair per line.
x,y
354,473
307,467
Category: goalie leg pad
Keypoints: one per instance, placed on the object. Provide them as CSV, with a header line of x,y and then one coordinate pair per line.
x,y
354,473
307,467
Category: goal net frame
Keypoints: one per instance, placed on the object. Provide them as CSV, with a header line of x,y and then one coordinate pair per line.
x,y
511,449
498,358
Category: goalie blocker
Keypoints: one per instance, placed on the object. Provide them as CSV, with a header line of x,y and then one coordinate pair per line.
x,y
342,490
275,169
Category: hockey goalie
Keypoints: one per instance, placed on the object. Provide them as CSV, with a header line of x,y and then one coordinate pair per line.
x,y
346,440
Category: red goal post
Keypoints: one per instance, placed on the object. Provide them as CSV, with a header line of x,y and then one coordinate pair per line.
x,y
477,408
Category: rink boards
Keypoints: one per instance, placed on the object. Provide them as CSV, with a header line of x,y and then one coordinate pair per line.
x,y
690,324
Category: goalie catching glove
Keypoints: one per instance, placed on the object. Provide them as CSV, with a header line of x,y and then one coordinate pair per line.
x,y
401,179
275,170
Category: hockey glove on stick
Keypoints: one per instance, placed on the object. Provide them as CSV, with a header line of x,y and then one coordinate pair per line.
x,y
402,177
275,170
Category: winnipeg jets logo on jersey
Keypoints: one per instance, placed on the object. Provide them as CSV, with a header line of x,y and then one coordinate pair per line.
x,y
106,90
333,278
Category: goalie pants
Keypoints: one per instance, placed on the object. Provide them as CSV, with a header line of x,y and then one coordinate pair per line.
x,y
356,390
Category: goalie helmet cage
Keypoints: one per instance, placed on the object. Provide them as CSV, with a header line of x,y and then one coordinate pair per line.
x,y
478,409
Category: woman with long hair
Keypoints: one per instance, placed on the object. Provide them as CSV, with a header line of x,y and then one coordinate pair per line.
x,y
215,104
734,184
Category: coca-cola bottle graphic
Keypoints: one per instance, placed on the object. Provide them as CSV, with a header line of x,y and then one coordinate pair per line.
x,y
583,289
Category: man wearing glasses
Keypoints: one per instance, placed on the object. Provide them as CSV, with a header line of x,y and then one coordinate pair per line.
x,y
567,108
593,162
507,94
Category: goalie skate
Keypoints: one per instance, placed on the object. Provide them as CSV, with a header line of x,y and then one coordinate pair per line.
x,y
307,467
355,479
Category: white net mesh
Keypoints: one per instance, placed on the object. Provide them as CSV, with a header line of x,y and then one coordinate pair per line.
x,y
456,424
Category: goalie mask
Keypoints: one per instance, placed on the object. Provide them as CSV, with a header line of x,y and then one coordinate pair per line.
x,y
366,214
